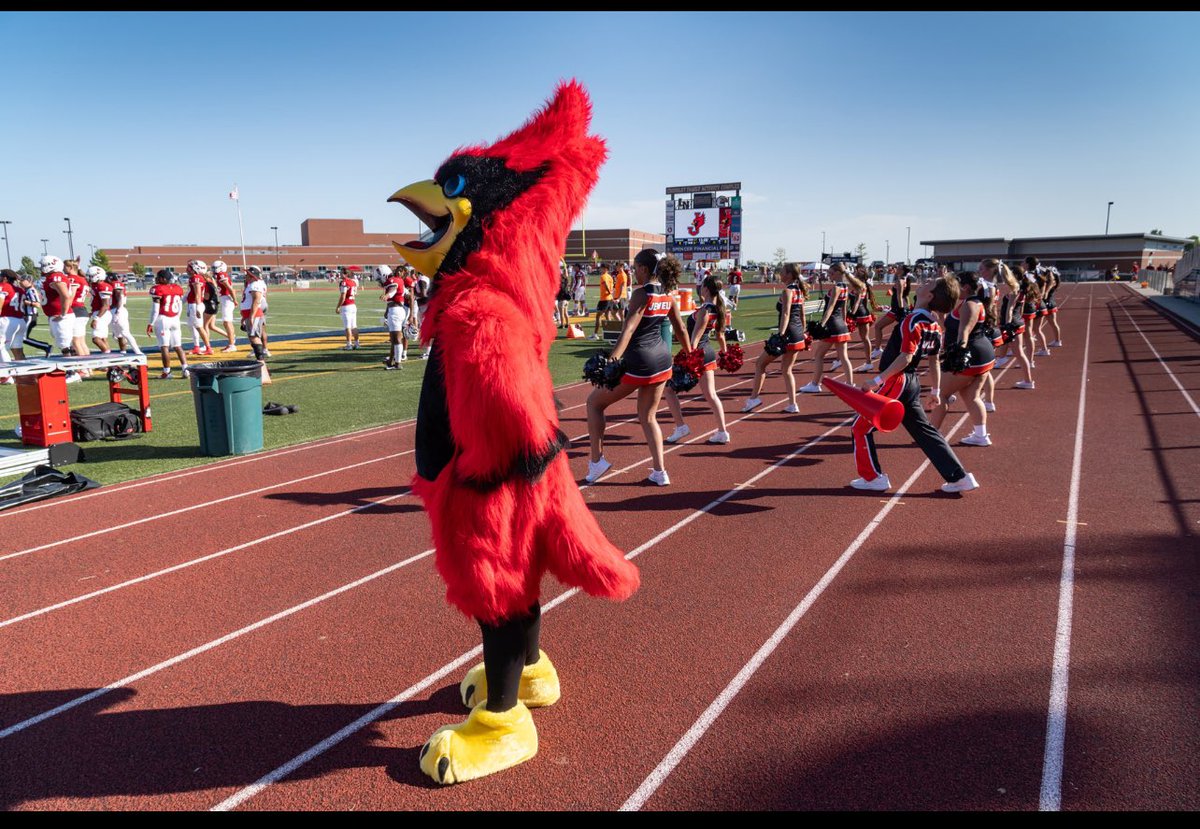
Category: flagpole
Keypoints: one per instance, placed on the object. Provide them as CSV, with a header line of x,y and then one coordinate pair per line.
x,y
241,234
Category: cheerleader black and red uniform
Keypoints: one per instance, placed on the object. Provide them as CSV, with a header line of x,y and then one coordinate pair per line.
x,y
1048,303
710,326
1008,311
897,310
836,330
919,335
648,357
981,346
794,336
1029,306
861,304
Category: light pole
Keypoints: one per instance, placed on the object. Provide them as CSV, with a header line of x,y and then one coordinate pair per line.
x,y
45,252
907,248
70,238
276,229
6,223
822,245
1107,217
887,256
93,249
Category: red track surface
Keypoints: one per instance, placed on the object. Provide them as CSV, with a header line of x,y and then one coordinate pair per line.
x,y
918,678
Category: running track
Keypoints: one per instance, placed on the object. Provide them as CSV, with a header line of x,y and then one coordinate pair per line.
x,y
795,643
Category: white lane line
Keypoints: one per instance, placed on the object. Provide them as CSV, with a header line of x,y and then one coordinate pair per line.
x,y
212,467
215,643
1186,396
675,756
272,777
202,505
1050,799
140,579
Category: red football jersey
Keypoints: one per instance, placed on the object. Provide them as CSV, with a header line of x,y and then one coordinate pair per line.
x,y
54,303
83,291
349,286
224,285
169,299
100,292
10,301
395,290
197,289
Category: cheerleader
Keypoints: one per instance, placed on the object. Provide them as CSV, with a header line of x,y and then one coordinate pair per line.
x,y
916,338
1009,296
833,324
709,319
1052,307
969,326
791,327
1028,299
1001,286
862,311
647,360
900,300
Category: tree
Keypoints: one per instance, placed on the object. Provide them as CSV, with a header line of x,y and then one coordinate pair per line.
x,y
1195,241
860,250
30,268
100,259
1156,232
780,256
139,270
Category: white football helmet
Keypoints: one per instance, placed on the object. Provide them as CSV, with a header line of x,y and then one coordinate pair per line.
x,y
51,264
198,266
220,267
96,273
382,272
255,271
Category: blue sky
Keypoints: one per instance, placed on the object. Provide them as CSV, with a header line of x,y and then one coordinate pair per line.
x,y
860,125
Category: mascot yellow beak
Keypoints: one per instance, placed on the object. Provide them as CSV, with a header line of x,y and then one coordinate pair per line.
x,y
445,217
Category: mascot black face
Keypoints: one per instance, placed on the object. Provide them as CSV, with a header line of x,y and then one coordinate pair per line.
x,y
457,205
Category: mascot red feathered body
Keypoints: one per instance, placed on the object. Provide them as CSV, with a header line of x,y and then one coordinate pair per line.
x,y
491,469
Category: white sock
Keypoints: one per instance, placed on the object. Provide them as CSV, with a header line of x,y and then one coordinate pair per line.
x,y
980,432
396,353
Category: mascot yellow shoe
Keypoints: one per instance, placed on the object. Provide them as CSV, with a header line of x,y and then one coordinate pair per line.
x,y
486,743
539,684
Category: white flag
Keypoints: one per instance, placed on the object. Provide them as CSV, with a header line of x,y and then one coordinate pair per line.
x,y
233,194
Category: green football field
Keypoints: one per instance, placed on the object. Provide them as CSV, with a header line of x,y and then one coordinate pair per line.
x,y
336,391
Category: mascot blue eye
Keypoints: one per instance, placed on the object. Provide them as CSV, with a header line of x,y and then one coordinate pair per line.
x,y
454,186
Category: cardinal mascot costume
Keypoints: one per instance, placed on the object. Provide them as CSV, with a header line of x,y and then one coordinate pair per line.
x,y
490,462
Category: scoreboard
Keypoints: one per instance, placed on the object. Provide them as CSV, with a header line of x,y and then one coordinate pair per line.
x,y
704,221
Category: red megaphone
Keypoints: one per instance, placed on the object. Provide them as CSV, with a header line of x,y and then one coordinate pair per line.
x,y
884,413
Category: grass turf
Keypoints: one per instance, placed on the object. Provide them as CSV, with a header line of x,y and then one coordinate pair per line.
x,y
336,391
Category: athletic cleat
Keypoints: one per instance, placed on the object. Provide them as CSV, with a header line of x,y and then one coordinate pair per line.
x,y
1024,384
229,349
73,377
207,352
659,477
187,372
791,408
597,469
166,375
347,348
964,485
266,352
810,388
989,406
977,440
719,437
195,352
879,483
679,433
752,404
487,742
539,685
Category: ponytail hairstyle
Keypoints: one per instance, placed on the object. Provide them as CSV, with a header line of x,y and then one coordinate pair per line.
x,y
663,268
972,288
10,276
855,283
791,273
714,287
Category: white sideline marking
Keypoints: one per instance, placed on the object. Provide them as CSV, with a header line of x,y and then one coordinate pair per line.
x,y
668,764
193,562
1161,362
215,643
1050,799
241,796
202,505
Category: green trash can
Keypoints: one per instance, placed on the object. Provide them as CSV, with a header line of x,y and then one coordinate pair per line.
x,y
228,398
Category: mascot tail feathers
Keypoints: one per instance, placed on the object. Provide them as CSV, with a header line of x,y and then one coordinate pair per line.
x,y
577,551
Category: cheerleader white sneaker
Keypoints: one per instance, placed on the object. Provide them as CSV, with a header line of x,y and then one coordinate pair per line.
x,y
865,367
964,485
877,353
680,433
1001,362
1056,344
810,388
989,406
836,365
977,440
595,470
719,437
791,408
1042,352
1024,384
752,404
878,484
659,477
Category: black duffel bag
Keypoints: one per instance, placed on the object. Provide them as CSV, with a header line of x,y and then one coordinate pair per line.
x,y
104,420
